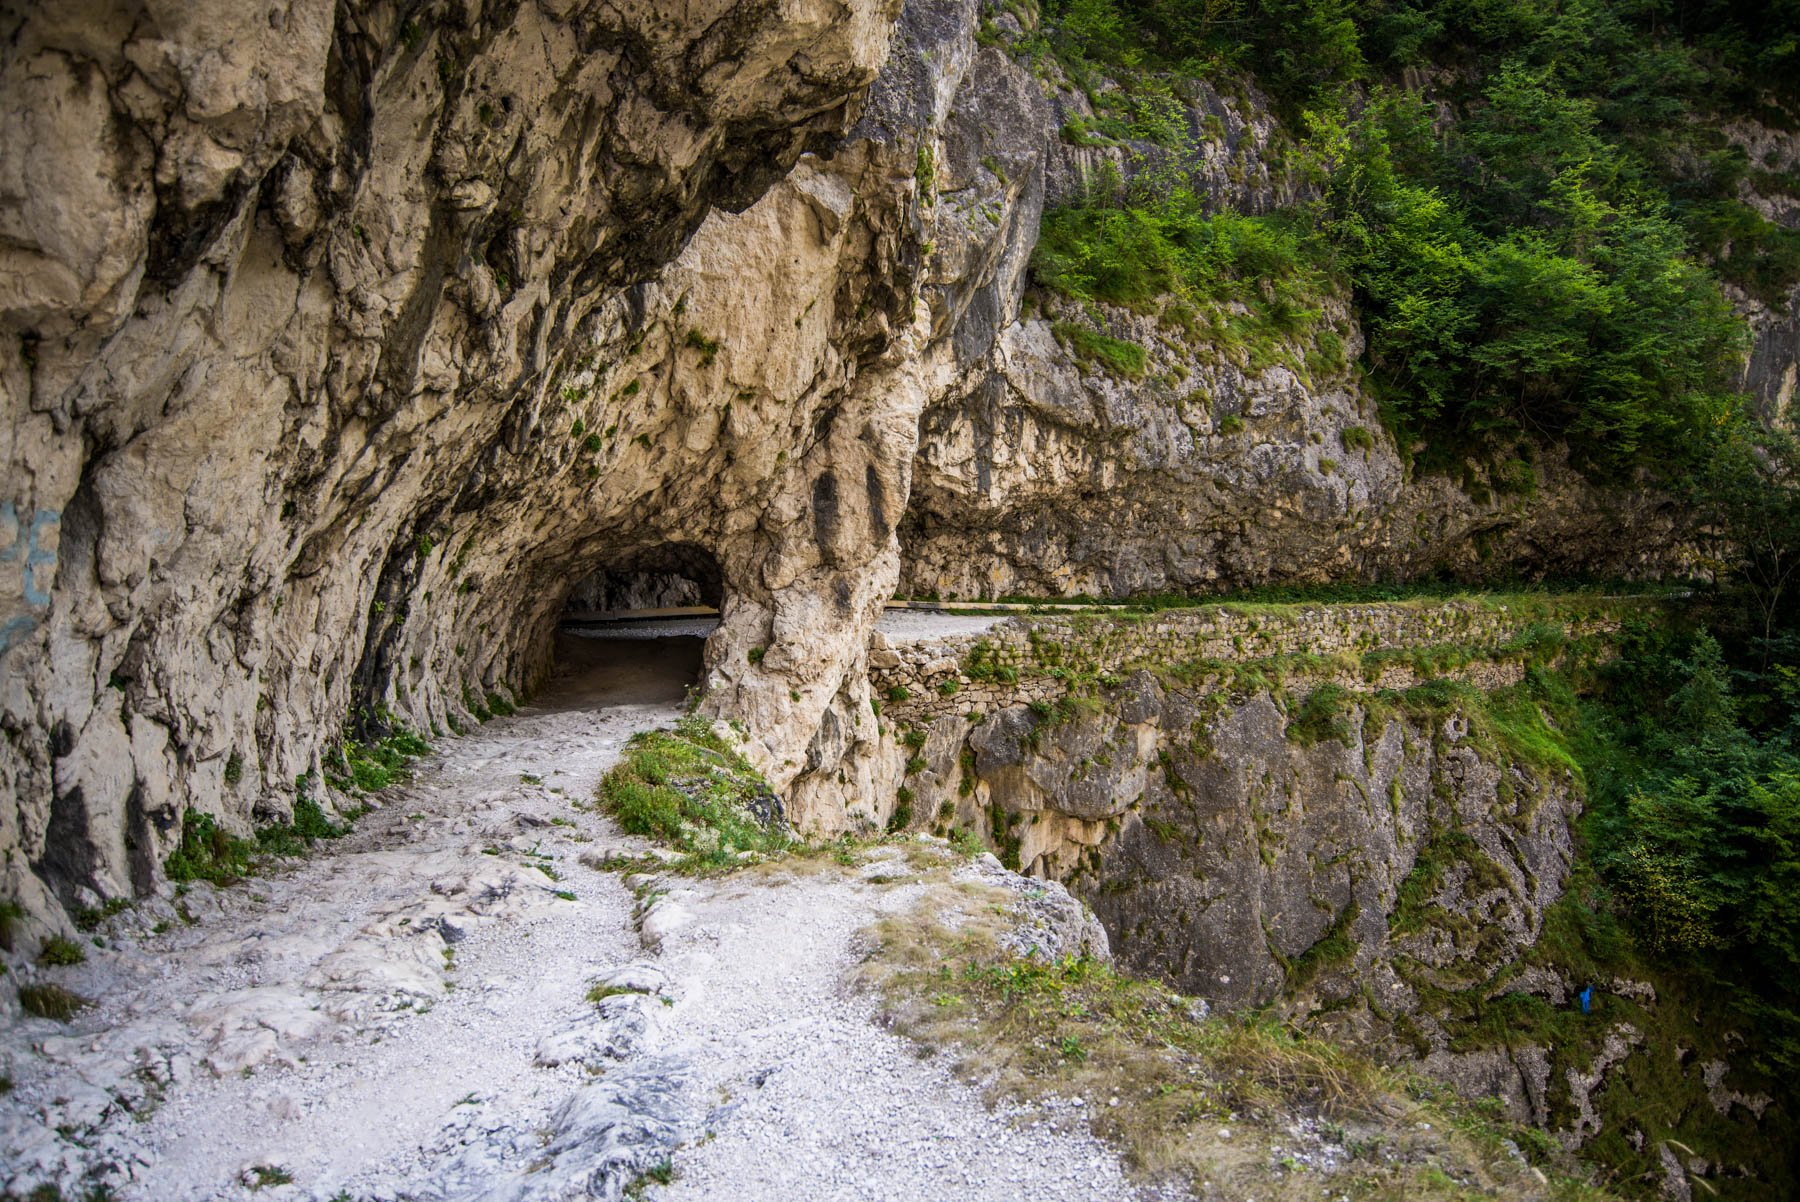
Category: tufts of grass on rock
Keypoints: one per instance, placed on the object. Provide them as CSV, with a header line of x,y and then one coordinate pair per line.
x,y
372,767
1241,1105
296,837
51,1001
59,951
689,788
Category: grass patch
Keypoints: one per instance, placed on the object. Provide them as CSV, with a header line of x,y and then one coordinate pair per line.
x,y
659,1174
264,1175
599,993
1161,1080
89,918
1324,716
11,915
371,767
51,1001
689,788
61,952
708,347
296,837
1127,360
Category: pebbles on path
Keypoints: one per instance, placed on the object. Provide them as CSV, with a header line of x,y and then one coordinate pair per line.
x,y
407,1015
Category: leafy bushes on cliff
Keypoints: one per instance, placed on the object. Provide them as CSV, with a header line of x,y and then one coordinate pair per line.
x,y
1123,359
1524,242
1227,279
1537,294
1697,824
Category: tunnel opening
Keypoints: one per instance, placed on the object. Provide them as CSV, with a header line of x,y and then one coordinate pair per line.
x,y
633,630
672,576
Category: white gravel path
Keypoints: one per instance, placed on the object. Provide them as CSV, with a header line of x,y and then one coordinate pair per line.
x,y
919,626
818,1102
312,1023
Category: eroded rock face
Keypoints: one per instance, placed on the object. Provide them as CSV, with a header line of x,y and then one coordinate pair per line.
x,y
1217,465
291,295
1048,478
343,341
1245,863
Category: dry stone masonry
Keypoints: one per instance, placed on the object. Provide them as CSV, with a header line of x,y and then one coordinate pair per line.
x,y
1031,659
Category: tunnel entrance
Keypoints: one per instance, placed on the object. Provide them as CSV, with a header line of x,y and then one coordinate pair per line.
x,y
673,576
633,630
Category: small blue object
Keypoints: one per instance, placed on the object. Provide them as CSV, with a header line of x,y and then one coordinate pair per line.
x,y
1587,998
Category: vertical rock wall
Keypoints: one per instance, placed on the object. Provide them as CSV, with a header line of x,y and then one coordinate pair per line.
x,y
289,294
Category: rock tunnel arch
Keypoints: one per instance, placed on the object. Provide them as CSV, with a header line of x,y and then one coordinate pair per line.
x,y
633,628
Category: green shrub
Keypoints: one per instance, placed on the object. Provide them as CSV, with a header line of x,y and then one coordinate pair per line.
x,y
1141,253
89,918
371,767
902,816
1324,715
925,174
296,837
690,789
208,852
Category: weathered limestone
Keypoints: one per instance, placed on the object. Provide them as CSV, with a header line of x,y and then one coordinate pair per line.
x,y
290,300
343,340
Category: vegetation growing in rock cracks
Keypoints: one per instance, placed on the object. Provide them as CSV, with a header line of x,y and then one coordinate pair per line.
x,y
51,1001
60,951
209,852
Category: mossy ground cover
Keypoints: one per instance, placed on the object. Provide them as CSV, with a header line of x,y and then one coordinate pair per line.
x,y
1160,1082
691,789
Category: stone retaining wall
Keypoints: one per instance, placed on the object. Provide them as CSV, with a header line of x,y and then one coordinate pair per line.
x,y
1033,658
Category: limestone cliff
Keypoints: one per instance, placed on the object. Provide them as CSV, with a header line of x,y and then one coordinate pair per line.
x,y
1046,472
301,303
345,340
1358,817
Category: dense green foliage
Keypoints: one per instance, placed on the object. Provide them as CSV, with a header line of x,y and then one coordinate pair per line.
x,y
1529,292
1228,280
1533,246
1696,826
1694,760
